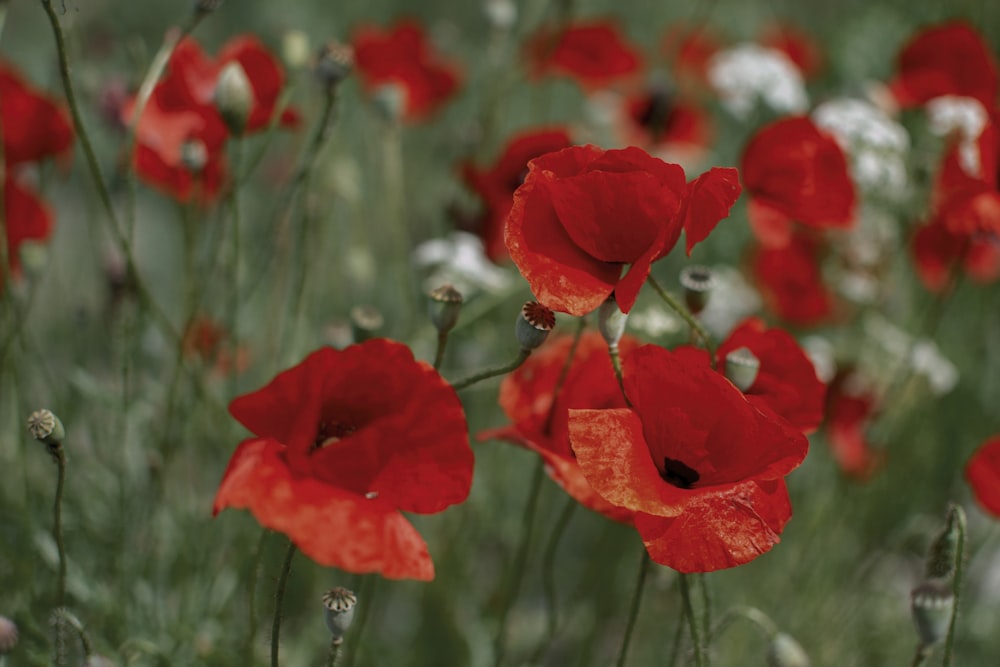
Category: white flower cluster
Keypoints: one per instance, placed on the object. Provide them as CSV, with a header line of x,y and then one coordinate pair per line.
x,y
877,145
964,117
461,261
732,300
747,73
894,346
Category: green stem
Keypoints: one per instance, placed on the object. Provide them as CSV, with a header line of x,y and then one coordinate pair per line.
x,y
616,362
334,656
234,306
366,599
686,315
675,649
581,324
706,607
279,596
548,564
922,654
520,560
699,657
493,372
633,613
60,458
956,586
252,599
442,343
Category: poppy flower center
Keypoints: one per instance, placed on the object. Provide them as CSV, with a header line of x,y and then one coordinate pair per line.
x,y
329,433
677,473
656,112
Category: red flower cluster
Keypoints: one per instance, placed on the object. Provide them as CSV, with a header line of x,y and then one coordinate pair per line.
x,y
983,474
496,184
540,415
342,444
32,127
593,53
700,465
583,213
181,135
790,282
402,56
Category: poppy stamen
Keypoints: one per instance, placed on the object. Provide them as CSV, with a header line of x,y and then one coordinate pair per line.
x,y
677,473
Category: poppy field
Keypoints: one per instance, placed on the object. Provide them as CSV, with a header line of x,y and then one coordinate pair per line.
x,y
499,333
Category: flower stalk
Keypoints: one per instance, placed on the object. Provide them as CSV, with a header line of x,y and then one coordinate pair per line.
x,y
279,597
685,315
633,614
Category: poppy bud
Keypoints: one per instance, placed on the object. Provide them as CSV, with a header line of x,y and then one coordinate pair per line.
x,y
234,97
533,325
742,367
333,63
611,322
194,155
784,651
390,101
339,604
8,635
445,305
365,322
943,550
45,427
932,604
698,283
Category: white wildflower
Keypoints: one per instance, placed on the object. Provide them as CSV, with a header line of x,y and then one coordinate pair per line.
x,y
749,72
964,117
460,260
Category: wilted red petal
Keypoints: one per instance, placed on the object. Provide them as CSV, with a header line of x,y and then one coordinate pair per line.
x,y
709,199
719,530
983,474
32,126
793,167
948,59
333,527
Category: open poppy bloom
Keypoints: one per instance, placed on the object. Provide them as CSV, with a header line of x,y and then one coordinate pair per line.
x,y
947,59
402,56
496,184
583,213
850,407
800,47
33,126
689,50
790,282
663,124
983,475
594,54
540,416
795,172
25,218
343,443
702,468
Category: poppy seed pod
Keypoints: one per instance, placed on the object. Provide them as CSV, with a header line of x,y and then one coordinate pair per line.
x,y
334,63
45,427
338,605
365,322
8,635
445,306
533,325
611,322
234,97
932,604
784,651
698,283
742,367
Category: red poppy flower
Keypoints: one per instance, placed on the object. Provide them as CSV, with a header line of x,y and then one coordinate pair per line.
x,y
794,171
658,122
798,45
565,230
790,281
541,424
25,218
786,383
701,466
948,59
343,443
32,125
937,251
593,53
496,184
849,409
402,56
192,75
210,341
690,52
983,475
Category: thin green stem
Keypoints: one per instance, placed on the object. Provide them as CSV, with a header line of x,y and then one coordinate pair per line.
x,y
685,315
616,363
921,655
493,372
234,305
442,343
675,648
633,613
60,459
520,560
581,324
548,564
334,656
706,607
956,586
699,654
252,598
279,596
366,601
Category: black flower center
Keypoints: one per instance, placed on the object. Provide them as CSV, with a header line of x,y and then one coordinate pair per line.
x,y
657,112
329,433
677,473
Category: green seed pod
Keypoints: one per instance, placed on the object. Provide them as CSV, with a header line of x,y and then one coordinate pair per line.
x,y
45,427
611,322
932,604
338,606
234,97
533,325
742,367
445,306
698,283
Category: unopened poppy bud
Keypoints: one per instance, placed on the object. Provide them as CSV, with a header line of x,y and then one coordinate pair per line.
x,y
784,651
390,100
742,367
611,322
365,322
334,63
533,325
445,306
295,49
698,283
932,603
8,629
234,97
338,605
45,427
206,6
194,155
943,550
